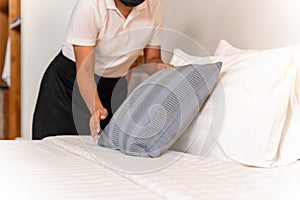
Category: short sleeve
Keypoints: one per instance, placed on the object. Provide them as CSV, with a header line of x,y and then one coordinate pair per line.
x,y
84,24
157,34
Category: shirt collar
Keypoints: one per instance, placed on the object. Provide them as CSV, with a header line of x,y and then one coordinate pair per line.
x,y
110,4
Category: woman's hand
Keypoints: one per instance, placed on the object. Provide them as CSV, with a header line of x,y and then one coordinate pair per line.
x,y
154,67
161,66
99,114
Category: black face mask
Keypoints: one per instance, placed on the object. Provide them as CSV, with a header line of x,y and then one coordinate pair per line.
x,y
131,3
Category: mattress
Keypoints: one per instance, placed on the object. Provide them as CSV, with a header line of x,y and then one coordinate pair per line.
x,y
72,167
183,176
40,170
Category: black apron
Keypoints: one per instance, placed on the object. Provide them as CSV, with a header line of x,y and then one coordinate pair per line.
x,y
61,110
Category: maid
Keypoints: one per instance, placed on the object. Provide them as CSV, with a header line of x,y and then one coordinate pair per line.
x,y
85,83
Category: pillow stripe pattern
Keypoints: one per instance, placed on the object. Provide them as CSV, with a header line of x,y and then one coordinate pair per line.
x,y
159,110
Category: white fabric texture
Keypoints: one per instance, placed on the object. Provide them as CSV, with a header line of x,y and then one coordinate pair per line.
x,y
35,170
118,40
185,176
257,88
72,167
289,150
201,137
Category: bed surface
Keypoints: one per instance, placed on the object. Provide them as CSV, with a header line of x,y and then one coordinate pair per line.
x,y
72,167
39,170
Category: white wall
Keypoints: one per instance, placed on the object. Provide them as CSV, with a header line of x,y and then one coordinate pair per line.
x,y
244,23
44,24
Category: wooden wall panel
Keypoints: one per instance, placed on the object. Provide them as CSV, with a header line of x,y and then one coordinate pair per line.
x,y
9,11
3,33
3,43
14,121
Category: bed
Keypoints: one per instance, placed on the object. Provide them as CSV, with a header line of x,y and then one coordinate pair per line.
x,y
243,162
74,167
201,164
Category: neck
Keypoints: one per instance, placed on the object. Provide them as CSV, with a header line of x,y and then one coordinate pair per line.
x,y
125,10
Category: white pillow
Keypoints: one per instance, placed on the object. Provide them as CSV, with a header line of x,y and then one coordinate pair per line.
x,y
289,150
290,144
257,87
226,49
202,135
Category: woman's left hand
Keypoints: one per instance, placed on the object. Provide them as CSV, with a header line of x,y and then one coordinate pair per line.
x,y
164,66
154,67
99,114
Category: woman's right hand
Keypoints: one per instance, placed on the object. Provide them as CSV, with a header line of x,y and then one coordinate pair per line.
x,y
97,115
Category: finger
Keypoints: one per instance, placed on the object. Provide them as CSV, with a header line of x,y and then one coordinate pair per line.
x,y
103,114
94,128
97,128
165,66
169,66
96,137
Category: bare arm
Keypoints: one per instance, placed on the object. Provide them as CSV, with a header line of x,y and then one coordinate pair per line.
x,y
152,56
85,62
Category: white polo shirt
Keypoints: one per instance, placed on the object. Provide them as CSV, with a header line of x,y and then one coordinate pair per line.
x,y
118,40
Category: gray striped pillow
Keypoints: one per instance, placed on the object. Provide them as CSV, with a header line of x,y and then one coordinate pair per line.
x,y
159,110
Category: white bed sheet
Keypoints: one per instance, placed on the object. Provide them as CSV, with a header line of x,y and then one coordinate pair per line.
x,y
183,176
72,167
40,170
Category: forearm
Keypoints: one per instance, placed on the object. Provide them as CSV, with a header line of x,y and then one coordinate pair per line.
x,y
85,62
88,90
